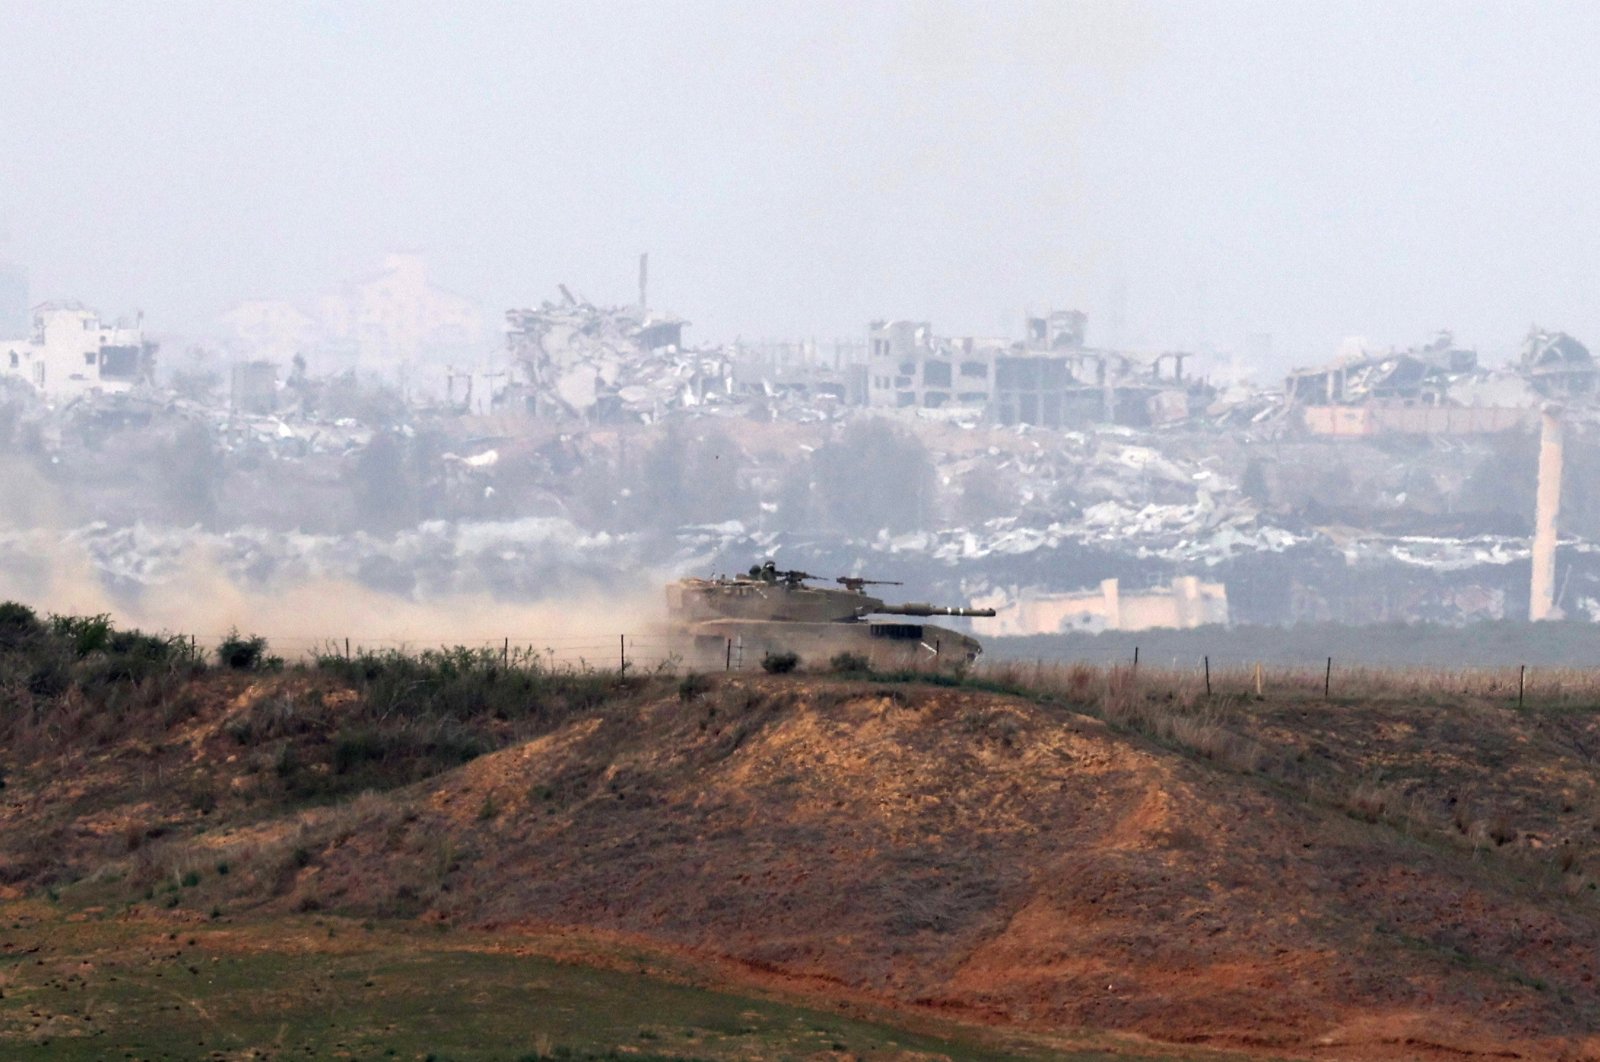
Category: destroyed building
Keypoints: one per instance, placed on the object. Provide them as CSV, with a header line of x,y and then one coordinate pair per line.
x,y
1425,390
577,361
807,372
72,352
1044,494
1418,376
1557,365
1050,379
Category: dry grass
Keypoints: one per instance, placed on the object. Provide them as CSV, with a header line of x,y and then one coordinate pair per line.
x,y
1171,707
1541,687
1447,755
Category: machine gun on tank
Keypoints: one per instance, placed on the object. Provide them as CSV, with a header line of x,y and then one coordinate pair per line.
x,y
856,582
771,573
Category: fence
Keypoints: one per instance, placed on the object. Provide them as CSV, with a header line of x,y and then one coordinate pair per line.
x,y
1230,674
578,652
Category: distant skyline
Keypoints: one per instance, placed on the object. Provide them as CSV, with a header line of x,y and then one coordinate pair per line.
x,y
1189,174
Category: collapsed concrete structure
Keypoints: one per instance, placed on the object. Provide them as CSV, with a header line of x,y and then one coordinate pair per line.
x,y
1049,379
575,360
1425,390
1558,365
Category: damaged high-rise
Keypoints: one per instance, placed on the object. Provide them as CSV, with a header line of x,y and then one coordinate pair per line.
x,y
1049,379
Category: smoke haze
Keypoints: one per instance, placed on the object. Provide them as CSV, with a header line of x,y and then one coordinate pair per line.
x,y
1187,173
479,323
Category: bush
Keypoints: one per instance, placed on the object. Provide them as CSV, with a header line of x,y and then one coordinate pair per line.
x,y
850,664
49,676
465,683
136,656
780,663
87,634
19,625
692,686
242,654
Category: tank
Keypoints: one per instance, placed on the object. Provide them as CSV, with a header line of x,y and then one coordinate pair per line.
x,y
740,619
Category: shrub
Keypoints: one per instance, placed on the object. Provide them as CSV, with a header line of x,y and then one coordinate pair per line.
x,y
86,634
136,656
241,653
850,664
49,676
18,625
463,683
692,686
353,748
780,663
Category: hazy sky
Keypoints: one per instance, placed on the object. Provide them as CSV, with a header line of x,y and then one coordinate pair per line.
x,y
1187,173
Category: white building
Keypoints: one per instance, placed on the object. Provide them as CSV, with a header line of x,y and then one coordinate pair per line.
x,y
72,352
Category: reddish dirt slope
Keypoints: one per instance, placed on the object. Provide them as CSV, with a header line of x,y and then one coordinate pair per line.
x,y
984,856
1015,863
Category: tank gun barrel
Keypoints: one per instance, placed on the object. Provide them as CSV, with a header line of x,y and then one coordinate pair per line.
x,y
917,608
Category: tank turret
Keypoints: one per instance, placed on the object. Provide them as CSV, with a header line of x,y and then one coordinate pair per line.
x,y
770,610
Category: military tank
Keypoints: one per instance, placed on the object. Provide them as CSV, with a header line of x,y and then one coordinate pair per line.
x,y
738,620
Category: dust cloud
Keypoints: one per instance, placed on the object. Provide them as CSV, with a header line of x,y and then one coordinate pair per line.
x,y
52,574
47,566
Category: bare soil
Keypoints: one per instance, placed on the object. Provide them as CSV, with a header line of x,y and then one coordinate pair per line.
x,y
1397,879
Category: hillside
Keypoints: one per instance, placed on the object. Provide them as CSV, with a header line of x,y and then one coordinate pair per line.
x,y
1398,874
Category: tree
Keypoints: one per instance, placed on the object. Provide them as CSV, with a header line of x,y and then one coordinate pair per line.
x,y
874,476
385,495
688,477
191,471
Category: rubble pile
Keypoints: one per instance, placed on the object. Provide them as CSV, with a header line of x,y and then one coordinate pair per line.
x,y
1374,487
591,363
1557,365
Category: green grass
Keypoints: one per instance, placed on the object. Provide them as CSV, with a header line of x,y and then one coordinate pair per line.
x,y
322,988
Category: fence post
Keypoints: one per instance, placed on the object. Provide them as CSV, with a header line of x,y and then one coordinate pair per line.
x,y
727,665
505,653
1522,680
1208,675
1258,678
622,655
1327,680
1136,656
